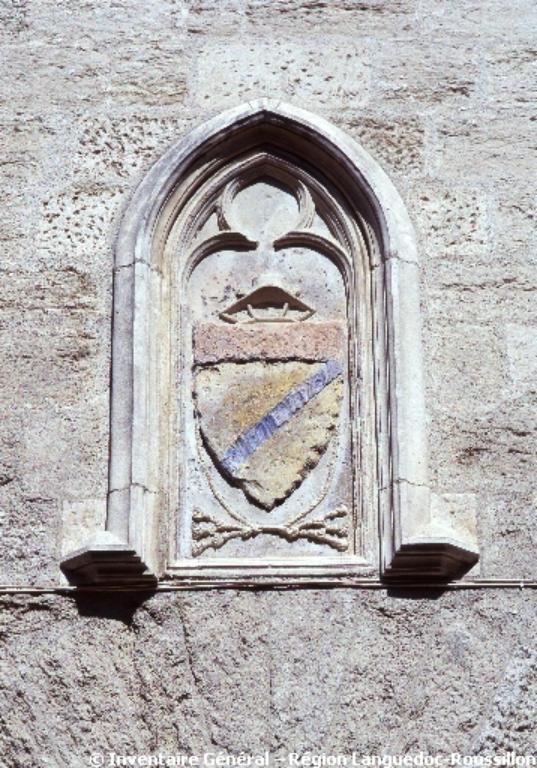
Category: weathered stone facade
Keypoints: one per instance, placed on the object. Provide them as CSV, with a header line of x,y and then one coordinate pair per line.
x,y
442,95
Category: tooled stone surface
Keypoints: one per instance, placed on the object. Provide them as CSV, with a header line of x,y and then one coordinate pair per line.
x,y
266,425
288,671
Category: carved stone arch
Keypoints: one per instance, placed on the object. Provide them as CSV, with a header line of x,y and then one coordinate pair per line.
x,y
179,217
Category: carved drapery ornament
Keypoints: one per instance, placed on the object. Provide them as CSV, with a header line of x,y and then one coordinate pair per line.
x,y
267,403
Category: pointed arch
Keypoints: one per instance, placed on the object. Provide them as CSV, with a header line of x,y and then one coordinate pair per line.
x,y
297,148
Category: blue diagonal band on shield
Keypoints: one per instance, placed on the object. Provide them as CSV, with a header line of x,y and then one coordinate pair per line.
x,y
292,403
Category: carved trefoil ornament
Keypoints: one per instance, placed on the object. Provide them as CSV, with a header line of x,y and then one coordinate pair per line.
x,y
268,420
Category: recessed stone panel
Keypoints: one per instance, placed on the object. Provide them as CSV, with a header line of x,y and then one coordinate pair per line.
x,y
267,398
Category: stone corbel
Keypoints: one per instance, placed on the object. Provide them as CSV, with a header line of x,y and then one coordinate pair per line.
x,y
106,561
419,551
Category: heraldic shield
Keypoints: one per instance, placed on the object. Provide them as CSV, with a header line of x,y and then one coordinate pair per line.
x,y
268,391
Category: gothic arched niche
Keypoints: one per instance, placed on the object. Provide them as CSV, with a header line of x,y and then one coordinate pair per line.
x,y
267,415
271,365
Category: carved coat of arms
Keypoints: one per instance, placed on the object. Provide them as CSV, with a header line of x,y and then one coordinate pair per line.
x,y
268,391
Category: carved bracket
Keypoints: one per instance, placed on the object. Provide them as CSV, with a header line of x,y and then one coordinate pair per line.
x,y
107,561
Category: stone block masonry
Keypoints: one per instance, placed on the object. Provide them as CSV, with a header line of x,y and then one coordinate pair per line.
x,y
442,95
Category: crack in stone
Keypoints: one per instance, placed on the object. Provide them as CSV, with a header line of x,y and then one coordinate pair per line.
x,y
193,674
400,480
132,485
151,267
394,257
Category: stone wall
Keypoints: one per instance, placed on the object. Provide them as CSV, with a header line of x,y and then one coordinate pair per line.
x,y
442,94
